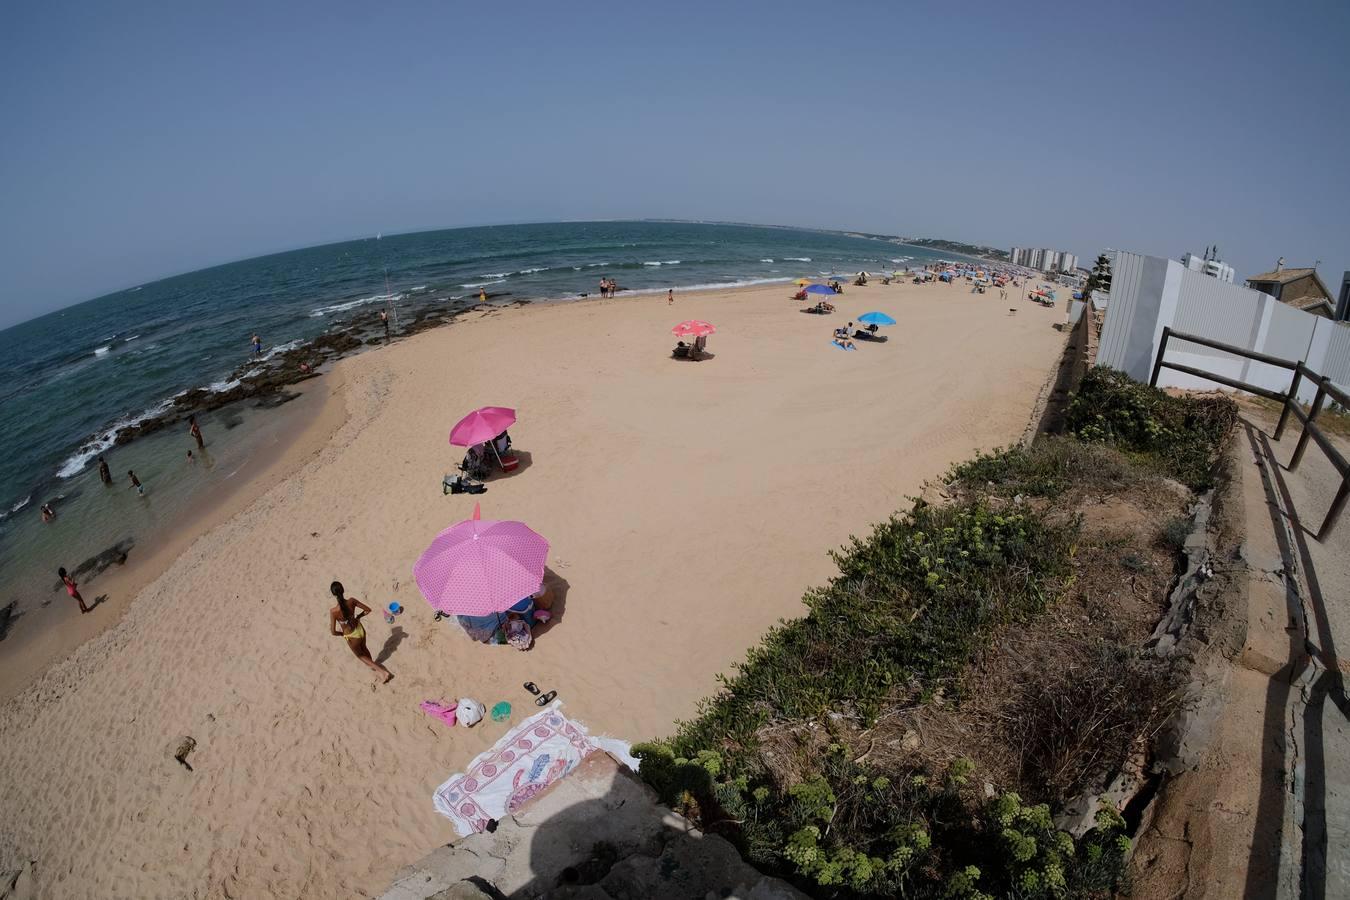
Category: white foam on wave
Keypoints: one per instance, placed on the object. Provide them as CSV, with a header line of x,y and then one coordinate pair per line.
x,y
766,260
281,348
651,264
664,262
798,258
102,351
130,339
594,265
536,269
21,504
708,286
105,440
420,287
479,284
352,304
493,274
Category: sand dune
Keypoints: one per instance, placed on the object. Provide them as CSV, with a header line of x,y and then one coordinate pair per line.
x,y
688,505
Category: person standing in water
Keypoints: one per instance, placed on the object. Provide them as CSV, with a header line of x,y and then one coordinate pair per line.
x,y
344,621
257,346
72,589
103,473
47,512
196,431
136,482
384,317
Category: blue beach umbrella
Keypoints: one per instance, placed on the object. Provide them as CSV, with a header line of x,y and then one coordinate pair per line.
x,y
819,289
876,318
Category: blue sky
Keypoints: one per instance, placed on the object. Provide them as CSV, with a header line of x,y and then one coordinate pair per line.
x,y
142,140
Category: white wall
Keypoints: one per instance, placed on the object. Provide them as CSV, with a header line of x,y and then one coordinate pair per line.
x,y
1149,293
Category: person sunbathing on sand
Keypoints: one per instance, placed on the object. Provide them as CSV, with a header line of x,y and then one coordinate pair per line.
x,y
344,621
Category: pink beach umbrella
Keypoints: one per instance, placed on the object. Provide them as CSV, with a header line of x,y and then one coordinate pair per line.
x,y
693,328
478,567
482,425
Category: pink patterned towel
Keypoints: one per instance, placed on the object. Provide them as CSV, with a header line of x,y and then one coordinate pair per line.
x,y
527,759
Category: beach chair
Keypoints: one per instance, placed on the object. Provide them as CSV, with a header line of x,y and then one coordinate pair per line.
x,y
458,484
681,351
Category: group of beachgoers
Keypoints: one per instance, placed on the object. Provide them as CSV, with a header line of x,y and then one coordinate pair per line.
x,y
608,286
105,475
512,627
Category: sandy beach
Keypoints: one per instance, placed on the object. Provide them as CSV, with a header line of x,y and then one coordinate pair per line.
x,y
689,506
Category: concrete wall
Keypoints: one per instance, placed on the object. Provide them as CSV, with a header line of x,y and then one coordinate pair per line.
x,y
1149,293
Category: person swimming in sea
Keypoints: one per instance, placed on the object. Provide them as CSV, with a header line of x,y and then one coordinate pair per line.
x,y
196,431
47,512
72,589
103,473
344,621
136,482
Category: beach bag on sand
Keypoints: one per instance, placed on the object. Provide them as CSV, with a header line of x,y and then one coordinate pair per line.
x,y
469,712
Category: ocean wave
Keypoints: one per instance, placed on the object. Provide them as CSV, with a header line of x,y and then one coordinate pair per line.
x,y
21,504
798,258
102,351
535,269
479,284
709,286
493,274
282,348
766,260
130,339
664,262
107,439
594,265
420,287
352,304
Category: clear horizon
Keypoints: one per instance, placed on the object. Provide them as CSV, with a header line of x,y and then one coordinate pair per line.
x,y
148,142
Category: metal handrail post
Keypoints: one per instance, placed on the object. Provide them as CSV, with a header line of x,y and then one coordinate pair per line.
x,y
1337,505
1162,350
1292,397
1307,432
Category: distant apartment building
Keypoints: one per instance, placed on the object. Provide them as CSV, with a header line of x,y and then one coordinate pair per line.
x,y
1300,288
1045,259
1209,264
1343,304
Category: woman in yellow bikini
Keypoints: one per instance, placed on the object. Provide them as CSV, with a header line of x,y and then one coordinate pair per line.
x,y
344,621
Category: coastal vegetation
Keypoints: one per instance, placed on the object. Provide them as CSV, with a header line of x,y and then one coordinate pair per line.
x,y
973,668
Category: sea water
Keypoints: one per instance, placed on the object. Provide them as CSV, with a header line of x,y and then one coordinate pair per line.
x,y
72,380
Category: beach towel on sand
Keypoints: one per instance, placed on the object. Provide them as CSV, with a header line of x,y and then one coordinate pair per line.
x,y
527,759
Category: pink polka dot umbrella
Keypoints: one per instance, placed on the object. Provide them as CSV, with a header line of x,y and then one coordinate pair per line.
x,y
479,567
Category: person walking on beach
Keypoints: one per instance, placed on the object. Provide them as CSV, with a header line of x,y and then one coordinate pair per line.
x,y
482,295
670,297
196,431
344,621
384,317
136,482
257,346
104,475
72,589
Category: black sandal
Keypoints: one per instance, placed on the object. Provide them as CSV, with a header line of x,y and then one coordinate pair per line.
x,y
532,688
546,699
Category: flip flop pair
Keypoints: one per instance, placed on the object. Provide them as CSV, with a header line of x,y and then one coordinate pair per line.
x,y
545,699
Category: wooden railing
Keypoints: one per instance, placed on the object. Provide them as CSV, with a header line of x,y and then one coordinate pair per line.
x,y
1289,404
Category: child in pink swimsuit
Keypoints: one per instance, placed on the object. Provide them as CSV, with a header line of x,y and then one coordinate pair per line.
x,y
72,589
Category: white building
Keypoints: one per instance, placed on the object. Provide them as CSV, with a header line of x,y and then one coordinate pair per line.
x,y
1043,258
1210,265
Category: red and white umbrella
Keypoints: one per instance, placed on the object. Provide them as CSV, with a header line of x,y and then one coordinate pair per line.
x,y
693,328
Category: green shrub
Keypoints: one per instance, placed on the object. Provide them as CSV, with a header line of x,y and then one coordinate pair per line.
x,y
1181,436
913,602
